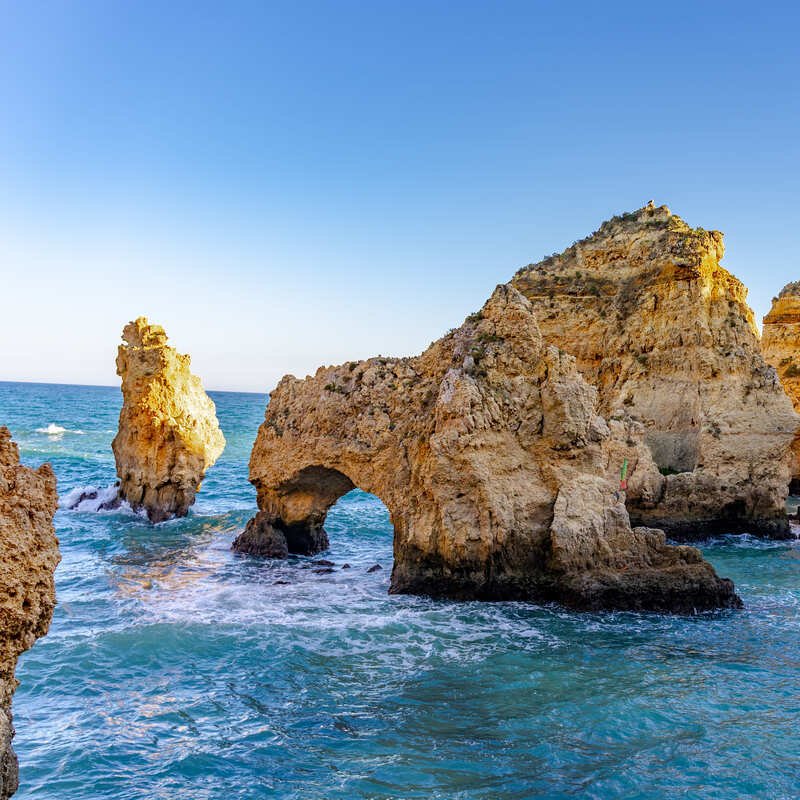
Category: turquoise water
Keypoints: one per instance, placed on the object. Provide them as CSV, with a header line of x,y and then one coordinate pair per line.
x,y
176,669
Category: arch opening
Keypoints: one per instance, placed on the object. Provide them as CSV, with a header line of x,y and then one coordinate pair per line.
x,y
360,530
293,513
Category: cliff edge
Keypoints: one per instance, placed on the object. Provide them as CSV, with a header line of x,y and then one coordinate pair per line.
x,y
780,344
28,558
664,332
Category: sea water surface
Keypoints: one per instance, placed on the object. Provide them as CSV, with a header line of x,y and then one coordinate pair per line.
x,y
176,669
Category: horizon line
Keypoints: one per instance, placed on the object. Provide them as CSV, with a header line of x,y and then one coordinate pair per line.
x,y
109,386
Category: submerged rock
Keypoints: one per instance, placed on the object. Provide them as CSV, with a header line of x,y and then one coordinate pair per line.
x,y
780,344
28,558
665,334
495,467
168,431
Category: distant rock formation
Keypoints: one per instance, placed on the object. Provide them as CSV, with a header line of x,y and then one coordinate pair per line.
x,y
28,558
780,344
664,332
499,476
168,431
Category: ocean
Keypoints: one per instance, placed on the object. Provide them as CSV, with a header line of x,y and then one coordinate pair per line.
x,y
177,669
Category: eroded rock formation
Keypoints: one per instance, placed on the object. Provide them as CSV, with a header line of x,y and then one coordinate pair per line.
x,y
168,431
28,558
780,344
664,332
499,476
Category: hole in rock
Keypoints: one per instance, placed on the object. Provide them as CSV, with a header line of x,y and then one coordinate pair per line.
x,y
360,531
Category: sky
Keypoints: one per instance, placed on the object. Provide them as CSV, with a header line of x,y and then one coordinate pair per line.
x,y
286,185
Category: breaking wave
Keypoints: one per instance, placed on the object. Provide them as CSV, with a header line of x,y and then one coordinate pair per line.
x,y
57,430
92,498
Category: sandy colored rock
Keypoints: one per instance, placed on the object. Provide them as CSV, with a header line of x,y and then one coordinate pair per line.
x,y
168,431
664,332
780,345
28,558
499,476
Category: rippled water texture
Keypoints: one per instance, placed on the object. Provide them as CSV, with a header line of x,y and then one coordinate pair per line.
x,y
175,669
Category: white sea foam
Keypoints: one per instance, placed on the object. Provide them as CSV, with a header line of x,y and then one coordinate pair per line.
x,y
52,429
92,498
57,430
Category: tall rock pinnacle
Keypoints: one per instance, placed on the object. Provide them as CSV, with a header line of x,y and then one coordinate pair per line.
x,y
168,431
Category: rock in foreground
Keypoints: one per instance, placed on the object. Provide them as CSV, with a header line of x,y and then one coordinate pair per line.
x,y
493,463
664,332
168,431
28,558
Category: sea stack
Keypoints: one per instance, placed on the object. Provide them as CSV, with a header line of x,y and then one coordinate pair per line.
x,y
28,558
664,332
780,344
168,431
500,477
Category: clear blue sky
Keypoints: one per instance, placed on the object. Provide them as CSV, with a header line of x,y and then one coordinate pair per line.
x,y
288,185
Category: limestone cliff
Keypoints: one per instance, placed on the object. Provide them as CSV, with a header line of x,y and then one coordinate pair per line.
x,y
493,463
168,431
28,558
664,332
780,344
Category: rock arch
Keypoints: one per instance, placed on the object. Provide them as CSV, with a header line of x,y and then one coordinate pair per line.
x,y
498,473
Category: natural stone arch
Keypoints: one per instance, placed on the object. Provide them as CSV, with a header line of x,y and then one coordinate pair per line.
x,y
301,503
497,472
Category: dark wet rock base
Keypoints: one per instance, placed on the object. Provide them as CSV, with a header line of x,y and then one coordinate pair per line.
x,y
267,537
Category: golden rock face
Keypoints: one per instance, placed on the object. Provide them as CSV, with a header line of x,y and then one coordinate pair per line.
x,y
168,431
780,344
498,473
664,332
28,558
